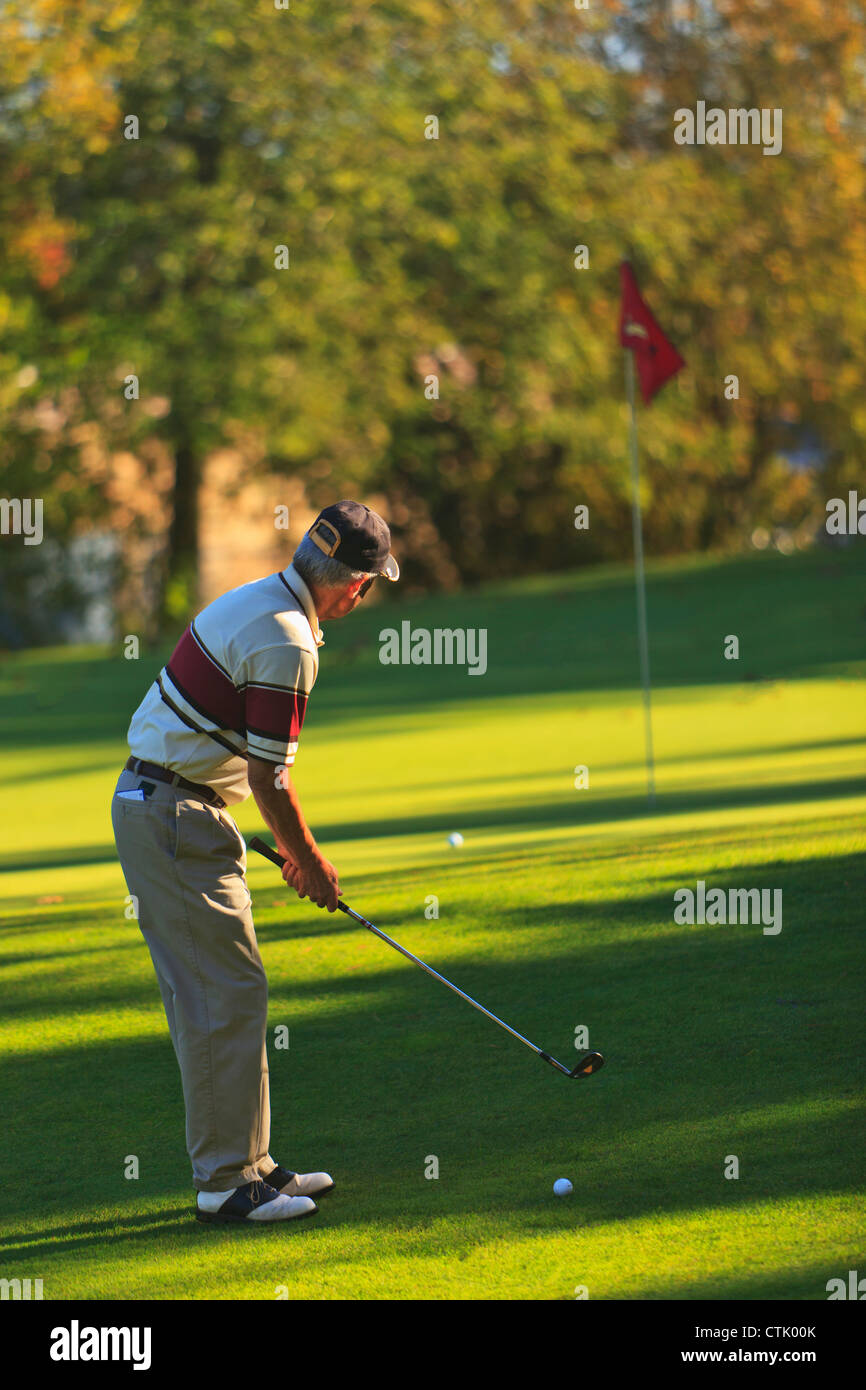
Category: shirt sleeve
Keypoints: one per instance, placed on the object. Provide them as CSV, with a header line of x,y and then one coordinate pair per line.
x,y
279,683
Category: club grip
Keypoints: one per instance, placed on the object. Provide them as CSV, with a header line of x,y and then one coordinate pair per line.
x,y
261,848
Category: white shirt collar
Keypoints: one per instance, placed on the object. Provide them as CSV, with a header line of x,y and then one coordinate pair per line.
x,y
295,582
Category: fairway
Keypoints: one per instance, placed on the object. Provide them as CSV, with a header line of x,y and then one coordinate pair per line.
x,y
721,1041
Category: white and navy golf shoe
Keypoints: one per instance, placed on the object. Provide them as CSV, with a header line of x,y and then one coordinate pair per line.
x,y
253,1201
300,1184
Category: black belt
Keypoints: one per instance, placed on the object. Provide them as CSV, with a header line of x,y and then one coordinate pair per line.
x,y
163,774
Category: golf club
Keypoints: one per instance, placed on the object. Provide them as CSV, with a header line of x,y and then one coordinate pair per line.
x,y
593,1061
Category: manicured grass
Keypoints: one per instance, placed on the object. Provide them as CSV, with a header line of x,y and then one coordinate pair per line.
x,y
557,913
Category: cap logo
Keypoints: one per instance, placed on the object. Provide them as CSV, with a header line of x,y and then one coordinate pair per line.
x,y
318,534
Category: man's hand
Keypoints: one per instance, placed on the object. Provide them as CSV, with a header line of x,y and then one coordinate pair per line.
x,y
306,869
315,879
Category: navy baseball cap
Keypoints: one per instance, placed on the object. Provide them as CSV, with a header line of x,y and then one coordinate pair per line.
x,y
357,537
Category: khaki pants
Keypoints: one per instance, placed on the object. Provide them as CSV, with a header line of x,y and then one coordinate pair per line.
x,y
184,861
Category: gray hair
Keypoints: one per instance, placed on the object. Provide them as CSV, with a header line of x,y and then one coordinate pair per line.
x,y
321,570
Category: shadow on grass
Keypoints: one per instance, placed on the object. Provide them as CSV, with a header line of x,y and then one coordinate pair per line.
x,y
73,1233
717,1040
591,809
114,765
101,949
797,617
812,889
807,1283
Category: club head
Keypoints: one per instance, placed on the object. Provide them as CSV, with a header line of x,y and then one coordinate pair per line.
x,y
593,1061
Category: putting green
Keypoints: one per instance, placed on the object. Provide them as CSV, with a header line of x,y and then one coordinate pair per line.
x,y
722,1042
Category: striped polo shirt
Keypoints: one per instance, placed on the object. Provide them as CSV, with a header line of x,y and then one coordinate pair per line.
x,y
237,683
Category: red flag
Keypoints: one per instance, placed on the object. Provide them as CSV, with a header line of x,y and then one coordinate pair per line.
x,y
655,357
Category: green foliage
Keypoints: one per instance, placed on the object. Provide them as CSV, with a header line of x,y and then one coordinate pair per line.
x,y
411,257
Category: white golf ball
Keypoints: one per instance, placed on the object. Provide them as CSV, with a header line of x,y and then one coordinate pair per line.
x,y
455,840
562,1187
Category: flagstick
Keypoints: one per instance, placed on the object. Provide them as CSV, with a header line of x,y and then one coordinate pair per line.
x,y
640,581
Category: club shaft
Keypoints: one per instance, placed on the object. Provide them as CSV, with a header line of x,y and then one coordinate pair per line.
x,y
262,848
436,976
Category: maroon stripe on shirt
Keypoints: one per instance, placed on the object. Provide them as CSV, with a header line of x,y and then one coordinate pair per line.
x,y
205,685
275,714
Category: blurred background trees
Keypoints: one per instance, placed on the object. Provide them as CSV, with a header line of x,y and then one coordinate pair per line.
x,y
412,258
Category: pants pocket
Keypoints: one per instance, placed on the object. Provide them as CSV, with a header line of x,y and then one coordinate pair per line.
x,y
205,832
142,826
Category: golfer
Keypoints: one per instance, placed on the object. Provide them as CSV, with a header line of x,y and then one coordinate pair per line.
x,y
222,720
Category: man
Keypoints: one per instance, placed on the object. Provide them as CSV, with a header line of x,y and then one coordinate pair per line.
x,y
223,720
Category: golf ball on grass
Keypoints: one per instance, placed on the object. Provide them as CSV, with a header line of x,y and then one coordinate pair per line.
x,y
562,1187
455,839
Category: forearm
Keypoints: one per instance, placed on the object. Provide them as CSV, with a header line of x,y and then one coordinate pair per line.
x,y
281,810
